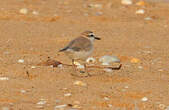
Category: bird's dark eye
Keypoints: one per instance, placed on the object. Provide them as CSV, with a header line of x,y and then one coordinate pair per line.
x,y
91,35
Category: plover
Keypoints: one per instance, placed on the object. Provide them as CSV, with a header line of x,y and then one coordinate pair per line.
x,y
81,47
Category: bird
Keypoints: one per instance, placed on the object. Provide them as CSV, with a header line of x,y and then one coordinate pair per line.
x,y
81,47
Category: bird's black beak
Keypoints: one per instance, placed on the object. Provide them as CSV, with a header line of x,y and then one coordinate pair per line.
x,y
97,38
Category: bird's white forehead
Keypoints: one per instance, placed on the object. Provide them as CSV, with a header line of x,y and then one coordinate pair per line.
x,y
91,34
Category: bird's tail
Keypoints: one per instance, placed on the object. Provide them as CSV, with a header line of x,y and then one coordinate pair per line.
x,y
63,49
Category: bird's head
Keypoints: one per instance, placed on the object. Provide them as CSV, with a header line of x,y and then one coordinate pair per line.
x,y
90,35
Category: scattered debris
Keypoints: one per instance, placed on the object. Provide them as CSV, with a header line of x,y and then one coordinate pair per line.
x,y
126,87
140,3
95,6
50,62
110,105
33,67
134,60
140,11
140,67
4,78
35,12
60,106
23,11
91,60
126,2
23,91
67,94
79,83
148,18
144,99
41,102
106,98
21,61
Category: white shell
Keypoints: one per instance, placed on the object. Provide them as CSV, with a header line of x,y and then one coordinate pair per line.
x,y
106,60
21,61
144,99
140,11
60,106
91,60
126,2
4,78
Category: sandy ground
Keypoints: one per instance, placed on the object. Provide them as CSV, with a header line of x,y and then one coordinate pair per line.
x,y
142,84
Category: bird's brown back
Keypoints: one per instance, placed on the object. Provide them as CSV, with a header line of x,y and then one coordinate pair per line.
x,y
80,44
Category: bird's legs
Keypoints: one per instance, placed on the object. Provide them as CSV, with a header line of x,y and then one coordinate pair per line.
x,y
84,74
86,70
73,66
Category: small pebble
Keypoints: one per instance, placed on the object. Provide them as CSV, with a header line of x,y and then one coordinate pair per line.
x,y
35,13
60,106
106,98
148,18
134,60
91,60
4,78
23,11
33,67
140,11
126,2
144,99
126,87
21,61
67,94
41,102
79,83
95,5
110,105
23,91
140,67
